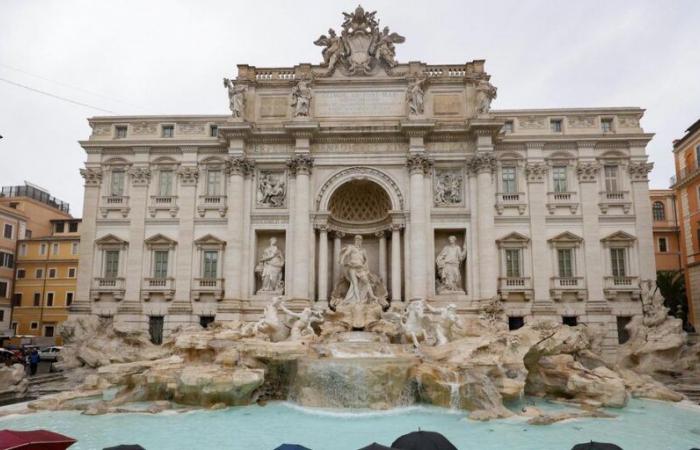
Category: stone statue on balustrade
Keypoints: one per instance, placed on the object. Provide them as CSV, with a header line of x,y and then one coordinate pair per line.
x,y
360,295
270,269
301,98
415,96
236,98
485,93
271,190
449,263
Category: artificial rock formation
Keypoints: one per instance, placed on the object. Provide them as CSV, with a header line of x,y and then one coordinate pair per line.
x,y
13,382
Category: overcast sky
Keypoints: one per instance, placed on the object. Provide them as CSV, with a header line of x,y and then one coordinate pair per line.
x,y
168,57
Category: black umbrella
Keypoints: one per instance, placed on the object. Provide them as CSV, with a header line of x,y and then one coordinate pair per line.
x,y
125,447
375,446
423,440
596,446
292,447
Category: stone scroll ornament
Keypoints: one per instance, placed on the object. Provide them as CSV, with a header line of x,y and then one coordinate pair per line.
x,y
639,170
92,176
361,46
236,98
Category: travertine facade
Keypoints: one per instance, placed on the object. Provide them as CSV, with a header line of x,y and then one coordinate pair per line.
x,y
551,206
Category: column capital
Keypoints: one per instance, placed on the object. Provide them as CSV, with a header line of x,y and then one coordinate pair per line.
x,y
92,176
419,163
240,165
536,172
140,176
639,170
396,227
338,234
188,175
587,171
380,234
482,162
300,164
322,227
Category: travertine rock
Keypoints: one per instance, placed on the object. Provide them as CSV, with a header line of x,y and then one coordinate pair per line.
x,y
13,381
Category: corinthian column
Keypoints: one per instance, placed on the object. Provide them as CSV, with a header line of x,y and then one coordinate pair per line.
x,y
418,165
323,263
88,232
484,165
140,176
337,241
395,263
639,178
300,167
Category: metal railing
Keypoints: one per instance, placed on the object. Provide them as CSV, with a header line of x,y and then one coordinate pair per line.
x,y
35,194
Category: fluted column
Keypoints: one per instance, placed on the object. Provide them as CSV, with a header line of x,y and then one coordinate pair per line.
x,y
323,263
238,167
484,165
337,242
395,263
418,165
300,167
382,255
93,180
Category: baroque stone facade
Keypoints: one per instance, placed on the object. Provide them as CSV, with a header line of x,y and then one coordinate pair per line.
x,y
546,210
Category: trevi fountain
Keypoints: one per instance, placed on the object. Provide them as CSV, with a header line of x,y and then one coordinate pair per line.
x,y
360,361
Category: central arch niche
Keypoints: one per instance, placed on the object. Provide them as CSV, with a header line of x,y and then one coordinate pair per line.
x,y
359,205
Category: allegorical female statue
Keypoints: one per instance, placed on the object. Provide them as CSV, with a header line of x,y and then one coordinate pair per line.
x,y
448,264
270,268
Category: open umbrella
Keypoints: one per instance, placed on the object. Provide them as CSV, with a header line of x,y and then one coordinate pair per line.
x,y
375,446
125,447
34,440
292,447
423,440
596,446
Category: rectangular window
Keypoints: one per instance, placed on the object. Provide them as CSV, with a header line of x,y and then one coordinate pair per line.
x,y
566,262
27,234
39,273
571,321
74,248
43,248
555,125
155,329
165,183
117,183
34,325
513,269
7,232
559,178
49,330
205,321
213,130
111,264
73,227
52,273
508,126
611,184
697,156
2,315
23,250
3,289
7,260
37,299
210,266
160,264
49,298
213,182
508,177
120,131
617,260
606,125
71,272
515,322
55,249
663,245
17,299
69,298
622,334
21,273
59,227
168,131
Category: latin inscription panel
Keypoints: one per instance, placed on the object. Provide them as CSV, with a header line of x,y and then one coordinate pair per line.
x,y
366,103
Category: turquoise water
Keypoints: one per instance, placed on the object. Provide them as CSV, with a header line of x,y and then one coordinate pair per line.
x,y
643,425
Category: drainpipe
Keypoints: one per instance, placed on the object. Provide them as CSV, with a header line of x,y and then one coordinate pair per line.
x,y
43,288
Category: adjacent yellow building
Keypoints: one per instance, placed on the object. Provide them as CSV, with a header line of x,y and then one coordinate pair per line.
x,y
45,281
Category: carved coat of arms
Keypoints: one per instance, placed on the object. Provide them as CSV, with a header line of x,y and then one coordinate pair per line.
x,y
361,46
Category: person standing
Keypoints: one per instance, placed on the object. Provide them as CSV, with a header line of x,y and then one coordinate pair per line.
x,y
33,361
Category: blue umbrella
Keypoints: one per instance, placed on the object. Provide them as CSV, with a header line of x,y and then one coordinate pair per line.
x,y
292,447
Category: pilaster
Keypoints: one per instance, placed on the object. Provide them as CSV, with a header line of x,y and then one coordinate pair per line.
x,y
418,166
88,233
639,178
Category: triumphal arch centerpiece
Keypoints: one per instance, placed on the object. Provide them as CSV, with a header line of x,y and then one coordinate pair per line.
x,y
363,183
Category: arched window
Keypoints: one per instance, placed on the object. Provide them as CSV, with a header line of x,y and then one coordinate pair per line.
x,y
659,211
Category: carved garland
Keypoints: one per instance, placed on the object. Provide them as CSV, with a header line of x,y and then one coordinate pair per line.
x,y
140,176
362,173
92,176
536,172
188,175
639,170
587,172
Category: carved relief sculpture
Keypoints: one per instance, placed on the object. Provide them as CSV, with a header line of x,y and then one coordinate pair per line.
x,y
415,97
301,98
587,171
270,269
536,172
272,190
448,264
448,188
140,176
485,93
236,98
361,46
188,175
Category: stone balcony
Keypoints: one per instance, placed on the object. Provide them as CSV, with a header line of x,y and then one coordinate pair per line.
x,y
163,203
108,286
515,288
562,200
511,200
161,286
619,199
208,286
572,287
621,286
212,203
119,203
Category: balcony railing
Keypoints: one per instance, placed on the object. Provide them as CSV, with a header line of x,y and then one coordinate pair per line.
x,y
163,200
514,283
108,284
615,198
115,200
622,282
562,199
163,203
158,283
213,286
212,202
510,200
567,282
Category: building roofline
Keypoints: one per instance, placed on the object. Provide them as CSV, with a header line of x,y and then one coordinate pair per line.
x,y
689,132
610,109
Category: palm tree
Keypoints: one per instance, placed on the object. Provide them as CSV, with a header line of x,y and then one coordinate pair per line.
x,y
671,286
